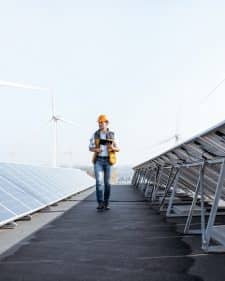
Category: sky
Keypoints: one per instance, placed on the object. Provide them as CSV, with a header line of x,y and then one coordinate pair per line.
x,y
148,65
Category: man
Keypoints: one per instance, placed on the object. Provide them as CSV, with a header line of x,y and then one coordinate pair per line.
x,y
104,147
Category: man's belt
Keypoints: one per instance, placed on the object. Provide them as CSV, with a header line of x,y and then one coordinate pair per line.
x,y
102,157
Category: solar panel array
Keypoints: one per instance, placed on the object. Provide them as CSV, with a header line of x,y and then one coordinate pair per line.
x,y
195,167
26,189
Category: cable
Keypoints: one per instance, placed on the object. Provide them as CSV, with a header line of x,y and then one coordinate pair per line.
x,y
212,91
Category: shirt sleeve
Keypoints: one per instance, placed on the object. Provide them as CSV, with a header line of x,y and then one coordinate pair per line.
x,y
92,142
116,142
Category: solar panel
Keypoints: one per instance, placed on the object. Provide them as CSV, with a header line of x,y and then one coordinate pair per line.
x,y
200,167
26,189
11,202
19,193
5,214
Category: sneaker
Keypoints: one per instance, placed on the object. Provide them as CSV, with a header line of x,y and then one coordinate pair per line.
x,y
106,207
100,206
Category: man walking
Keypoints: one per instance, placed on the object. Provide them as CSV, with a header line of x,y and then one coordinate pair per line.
x,y
104,146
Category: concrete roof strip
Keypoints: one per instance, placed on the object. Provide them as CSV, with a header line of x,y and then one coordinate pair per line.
x,y
39,220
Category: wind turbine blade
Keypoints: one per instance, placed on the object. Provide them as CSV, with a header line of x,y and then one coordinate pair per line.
x,y
212,91
18,85
166,140
162,142
51,120
68,121
157,144
178,121
53,103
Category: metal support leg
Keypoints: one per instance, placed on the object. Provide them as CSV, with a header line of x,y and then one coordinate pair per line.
x,y
148,183
214,206
204,243
138,179
156,176
169,184
143,185
148,177
142,178
134,178
199,184
173,194
10,225
157,184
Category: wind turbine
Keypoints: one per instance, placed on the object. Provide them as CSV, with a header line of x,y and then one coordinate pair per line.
x,y
176,136
55,118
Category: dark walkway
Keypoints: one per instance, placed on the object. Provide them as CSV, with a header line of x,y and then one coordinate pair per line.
x,y
129,242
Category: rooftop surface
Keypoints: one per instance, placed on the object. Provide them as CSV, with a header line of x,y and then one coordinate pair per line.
x,y
129,242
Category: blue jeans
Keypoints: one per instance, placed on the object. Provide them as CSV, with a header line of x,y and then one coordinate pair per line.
x,y
102,170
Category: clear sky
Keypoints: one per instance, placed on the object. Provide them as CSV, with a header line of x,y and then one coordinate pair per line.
x,y
146,64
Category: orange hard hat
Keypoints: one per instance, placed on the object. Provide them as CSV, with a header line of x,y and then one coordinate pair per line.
x,y
102,118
